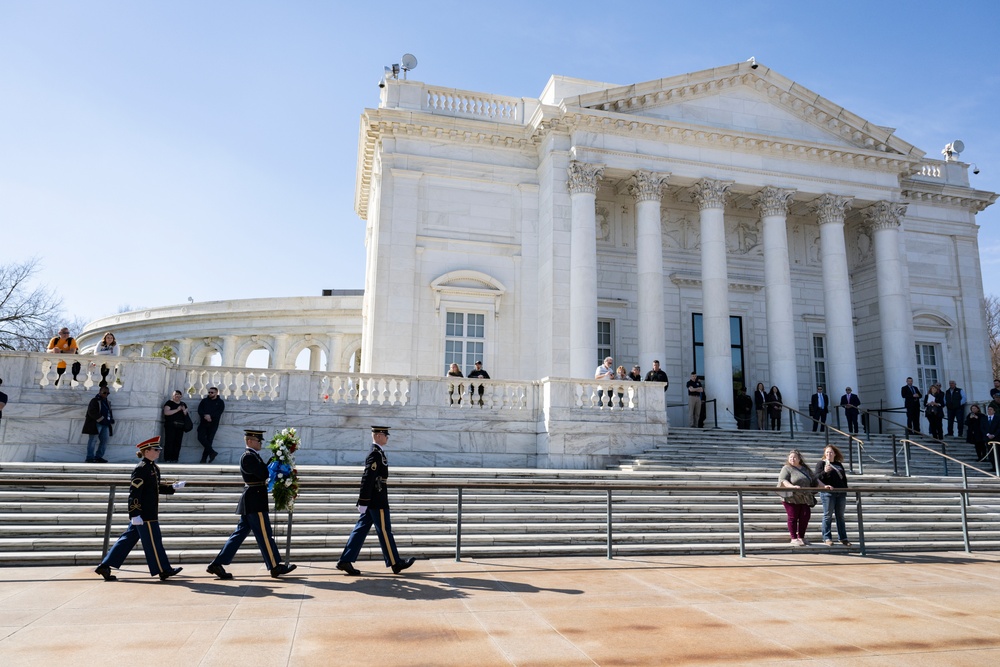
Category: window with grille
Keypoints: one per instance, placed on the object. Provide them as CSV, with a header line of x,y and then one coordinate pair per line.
x,y
927,370
464,340
819,360
605,340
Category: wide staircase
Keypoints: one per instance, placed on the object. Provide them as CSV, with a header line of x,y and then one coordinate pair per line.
x,y
676,499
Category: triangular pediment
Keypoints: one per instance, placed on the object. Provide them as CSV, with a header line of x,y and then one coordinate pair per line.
x,y
741,99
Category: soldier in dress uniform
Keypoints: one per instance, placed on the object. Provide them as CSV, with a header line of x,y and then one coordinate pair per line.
x,y
373,505
253,509
144,525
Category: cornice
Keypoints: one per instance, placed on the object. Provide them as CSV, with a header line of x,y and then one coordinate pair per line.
x,y
936,195
736,283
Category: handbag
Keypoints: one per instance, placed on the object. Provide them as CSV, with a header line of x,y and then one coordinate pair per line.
x,y
188,424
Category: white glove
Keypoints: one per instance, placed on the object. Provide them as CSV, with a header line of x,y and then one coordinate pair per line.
x,y
362,509
137,521
178,485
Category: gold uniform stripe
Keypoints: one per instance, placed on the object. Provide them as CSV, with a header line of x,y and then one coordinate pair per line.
x,y
156,555
385,536
267,542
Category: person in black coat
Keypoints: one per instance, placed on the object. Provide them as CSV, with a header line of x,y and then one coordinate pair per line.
x,y
210,411
373,505
99,424
253,509
911,396
774,408
975,433
850,402
819,408
760,406
744,409
143,510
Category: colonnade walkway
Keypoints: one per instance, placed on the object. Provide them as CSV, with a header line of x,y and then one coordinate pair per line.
x,y
809,607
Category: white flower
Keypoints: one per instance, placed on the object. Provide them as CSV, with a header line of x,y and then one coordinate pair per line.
x,y
280,475
284,431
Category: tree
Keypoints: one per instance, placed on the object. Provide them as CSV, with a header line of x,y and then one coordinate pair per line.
x,y
28,317
993,330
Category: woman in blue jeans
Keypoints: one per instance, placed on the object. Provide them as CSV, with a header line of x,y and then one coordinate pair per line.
x,y
830,471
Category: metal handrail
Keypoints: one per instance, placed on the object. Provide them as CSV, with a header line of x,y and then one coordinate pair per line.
x,y
597,485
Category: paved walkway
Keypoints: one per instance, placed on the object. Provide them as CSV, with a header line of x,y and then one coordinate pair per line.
x,y
806,608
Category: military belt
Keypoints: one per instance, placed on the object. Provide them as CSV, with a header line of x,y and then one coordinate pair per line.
x,y
249,484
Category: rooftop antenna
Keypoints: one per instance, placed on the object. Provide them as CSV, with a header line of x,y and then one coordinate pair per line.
x,y
952,150
408,62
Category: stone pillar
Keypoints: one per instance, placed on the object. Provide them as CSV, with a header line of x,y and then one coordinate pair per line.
x,y
229,344
184,351
841,359
711,198
781,360
582,184
279,362
647,188
895,318
336,346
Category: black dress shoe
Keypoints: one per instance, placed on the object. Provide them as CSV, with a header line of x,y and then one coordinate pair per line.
x,y
399,567
348,568
169,573
100,460
105,571
281,569
219,571
211,457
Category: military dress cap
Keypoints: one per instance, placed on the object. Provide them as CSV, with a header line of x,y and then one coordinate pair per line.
x,y
152,443
380,429
253,433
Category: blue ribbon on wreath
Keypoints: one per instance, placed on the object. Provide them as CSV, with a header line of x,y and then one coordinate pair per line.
x,y
273,469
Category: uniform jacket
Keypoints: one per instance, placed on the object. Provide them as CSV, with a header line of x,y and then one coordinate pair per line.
x,y
144,492
93,413
255,476
374,492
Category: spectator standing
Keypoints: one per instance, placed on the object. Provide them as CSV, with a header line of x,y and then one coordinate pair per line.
x,y
478,374
774,408
210,411
795,474
695,390
656,375
819,408
852,407
760,406
991,429
621,377
744,410
3,399
175,415
911,399
605,373
455,372
64,344
108,347
373,506
144,520
99,424
635,375
253,509
934,411
830,471
954,403
995,391
975,433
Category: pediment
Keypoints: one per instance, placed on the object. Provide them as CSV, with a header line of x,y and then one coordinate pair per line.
x,y
739,99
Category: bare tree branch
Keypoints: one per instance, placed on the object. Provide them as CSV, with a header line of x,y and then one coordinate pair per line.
x,y
993,330
27,316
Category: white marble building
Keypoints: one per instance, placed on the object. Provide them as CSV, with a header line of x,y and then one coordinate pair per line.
x,y
728,220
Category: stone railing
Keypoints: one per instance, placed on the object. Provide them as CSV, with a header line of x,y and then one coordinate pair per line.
x,y
474,105
436,421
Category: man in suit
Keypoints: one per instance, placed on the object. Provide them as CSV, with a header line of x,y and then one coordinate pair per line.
x,y
253,509
373,506
911,399
850,402
954,405
991,428
819,408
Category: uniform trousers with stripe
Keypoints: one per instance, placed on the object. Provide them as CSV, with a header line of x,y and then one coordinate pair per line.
x,y
383,527
152,544
258,524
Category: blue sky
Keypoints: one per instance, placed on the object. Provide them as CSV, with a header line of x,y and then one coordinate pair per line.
x,y
154,151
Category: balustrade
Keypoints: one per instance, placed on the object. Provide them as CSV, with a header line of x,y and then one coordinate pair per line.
x,y
460,103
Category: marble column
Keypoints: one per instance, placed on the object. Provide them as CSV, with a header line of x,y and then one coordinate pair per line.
x,y
229,344
841,358
711,198
582,183
895,318
335,345
184,351
279,362
647,189
782,368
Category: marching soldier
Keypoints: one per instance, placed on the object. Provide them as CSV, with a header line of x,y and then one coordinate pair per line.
x,y
373,505
253,509
144,525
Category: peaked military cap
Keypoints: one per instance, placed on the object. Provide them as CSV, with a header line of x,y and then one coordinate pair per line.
x,y
380,429
152,443
253,433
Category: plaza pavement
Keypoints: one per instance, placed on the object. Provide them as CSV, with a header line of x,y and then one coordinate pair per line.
x,y
811,607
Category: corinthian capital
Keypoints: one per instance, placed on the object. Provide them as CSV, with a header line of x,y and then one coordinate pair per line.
x,y
646,186
885,215
710,193
583,177
772,201
832,208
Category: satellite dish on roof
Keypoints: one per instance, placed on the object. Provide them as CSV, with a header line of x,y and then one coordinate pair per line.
x,y
958,146
408,62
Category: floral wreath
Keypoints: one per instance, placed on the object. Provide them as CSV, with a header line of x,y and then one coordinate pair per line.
x,y
283,481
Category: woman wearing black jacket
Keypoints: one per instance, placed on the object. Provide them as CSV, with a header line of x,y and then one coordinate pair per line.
x,y
774,408
830,471
759,405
